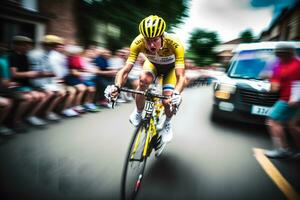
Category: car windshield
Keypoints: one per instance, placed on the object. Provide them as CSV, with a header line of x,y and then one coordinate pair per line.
x,y
249,64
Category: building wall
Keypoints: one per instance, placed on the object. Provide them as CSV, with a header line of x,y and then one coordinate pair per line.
x,y
62,22
296,24
287,28
19,18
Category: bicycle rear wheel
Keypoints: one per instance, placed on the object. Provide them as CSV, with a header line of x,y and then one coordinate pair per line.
x,y
135,163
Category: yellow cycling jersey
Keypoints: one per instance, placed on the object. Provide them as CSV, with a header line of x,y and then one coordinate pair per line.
x,y
172,51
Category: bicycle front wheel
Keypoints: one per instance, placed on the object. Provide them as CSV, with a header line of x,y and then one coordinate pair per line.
x,y
135,163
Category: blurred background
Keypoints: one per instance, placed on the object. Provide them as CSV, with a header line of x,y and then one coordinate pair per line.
x,y
83,157
209,30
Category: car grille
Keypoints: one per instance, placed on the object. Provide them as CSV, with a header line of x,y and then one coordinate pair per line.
x,y
258,98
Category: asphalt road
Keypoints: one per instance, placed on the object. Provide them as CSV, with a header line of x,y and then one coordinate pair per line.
x,y
82,158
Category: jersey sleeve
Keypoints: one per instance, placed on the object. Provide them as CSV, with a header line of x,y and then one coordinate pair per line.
x,y
134,49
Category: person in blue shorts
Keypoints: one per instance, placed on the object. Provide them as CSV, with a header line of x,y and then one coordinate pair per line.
x,y
285,80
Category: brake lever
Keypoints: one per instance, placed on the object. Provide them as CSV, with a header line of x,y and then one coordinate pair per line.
x,y
113,102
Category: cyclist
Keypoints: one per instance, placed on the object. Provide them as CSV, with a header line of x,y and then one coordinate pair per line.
x,y
164,57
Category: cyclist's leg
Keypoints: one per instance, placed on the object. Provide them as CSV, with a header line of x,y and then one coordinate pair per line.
x,y
169,82
146,78
158,82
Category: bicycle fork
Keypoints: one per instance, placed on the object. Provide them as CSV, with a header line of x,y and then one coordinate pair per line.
x,y
151,132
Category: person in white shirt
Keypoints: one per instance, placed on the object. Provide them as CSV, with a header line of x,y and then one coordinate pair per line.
x,y
58,62
39,61
117,62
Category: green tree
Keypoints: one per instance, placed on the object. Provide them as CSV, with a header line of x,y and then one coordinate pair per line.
x,y
201,46
247,36
126,15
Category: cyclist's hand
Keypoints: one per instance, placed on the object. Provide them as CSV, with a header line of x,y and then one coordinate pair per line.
x,y
111,92
176,99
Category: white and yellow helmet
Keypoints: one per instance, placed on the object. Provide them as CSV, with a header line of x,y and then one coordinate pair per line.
x,y
152,26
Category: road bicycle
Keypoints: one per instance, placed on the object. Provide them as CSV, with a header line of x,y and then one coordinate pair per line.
x,y
145,139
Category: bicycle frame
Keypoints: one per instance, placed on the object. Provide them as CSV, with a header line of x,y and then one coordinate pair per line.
x,y
149,124
153,107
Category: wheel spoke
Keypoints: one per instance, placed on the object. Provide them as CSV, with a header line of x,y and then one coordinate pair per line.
x,y
135,165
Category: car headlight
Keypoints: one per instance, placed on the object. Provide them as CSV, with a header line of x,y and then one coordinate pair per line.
x,y
223,91
227,88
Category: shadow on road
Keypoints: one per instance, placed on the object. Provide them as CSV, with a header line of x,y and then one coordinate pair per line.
x,y
228,125
171,174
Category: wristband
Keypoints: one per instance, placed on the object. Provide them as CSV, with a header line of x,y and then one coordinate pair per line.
x,y
118,88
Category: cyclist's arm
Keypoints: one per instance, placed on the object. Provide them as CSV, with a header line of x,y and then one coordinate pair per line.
x,y
179,66
122,75
180,76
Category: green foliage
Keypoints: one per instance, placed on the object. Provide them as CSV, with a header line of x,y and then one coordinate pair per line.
x,y
190,55
126,15
202,44
247,36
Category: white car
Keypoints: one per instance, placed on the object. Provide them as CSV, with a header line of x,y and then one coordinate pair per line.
x,y
241,94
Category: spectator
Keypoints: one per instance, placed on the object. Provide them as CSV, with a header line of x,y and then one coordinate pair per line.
x,y
71,79
285,80
81,77
88,77
5,103
20,71
58,62
8,88
39,60
117,62
105,76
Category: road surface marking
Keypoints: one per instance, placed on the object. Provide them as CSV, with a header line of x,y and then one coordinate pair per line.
x,y
275,175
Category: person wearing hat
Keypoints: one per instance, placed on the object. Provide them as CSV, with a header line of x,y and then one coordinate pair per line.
x,y
13,103
21,73
46,82
285,80
58,62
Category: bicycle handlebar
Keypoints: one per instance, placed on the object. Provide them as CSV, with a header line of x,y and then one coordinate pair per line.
x,y
147,93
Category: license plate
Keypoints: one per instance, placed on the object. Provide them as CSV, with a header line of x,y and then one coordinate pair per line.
x,y
260,110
